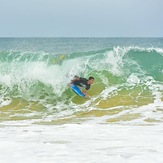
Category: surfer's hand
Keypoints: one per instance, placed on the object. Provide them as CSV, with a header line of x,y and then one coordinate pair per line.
x,y
69,84
86,96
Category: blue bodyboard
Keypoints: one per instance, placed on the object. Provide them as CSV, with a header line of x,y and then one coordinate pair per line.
x,y
77,90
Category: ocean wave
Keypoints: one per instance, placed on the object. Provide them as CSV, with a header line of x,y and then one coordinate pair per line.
x,y
34,84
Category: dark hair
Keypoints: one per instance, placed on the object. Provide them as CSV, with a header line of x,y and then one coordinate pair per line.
x,y
90,78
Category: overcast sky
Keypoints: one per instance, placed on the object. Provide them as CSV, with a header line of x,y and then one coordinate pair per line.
x,y
81,18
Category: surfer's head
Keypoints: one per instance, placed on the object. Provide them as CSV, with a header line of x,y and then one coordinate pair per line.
x,y
90,80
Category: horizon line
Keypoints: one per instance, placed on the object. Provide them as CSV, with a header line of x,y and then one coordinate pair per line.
x,y
81,37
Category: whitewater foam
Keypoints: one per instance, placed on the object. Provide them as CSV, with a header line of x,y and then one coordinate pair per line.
x,y
98,143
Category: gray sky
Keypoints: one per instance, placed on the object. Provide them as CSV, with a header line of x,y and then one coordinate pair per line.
x,y
81,18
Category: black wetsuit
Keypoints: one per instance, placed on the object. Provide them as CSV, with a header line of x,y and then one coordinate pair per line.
x,y
82,82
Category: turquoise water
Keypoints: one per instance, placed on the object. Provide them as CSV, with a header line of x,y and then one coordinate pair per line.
x,y
34,73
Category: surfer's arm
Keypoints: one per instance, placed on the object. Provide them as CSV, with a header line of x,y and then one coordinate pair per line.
x,y
72,81
85,93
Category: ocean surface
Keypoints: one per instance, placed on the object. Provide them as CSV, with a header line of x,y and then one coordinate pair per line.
x,y
43,120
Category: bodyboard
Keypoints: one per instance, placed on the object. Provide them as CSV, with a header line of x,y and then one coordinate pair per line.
x,y
77,90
